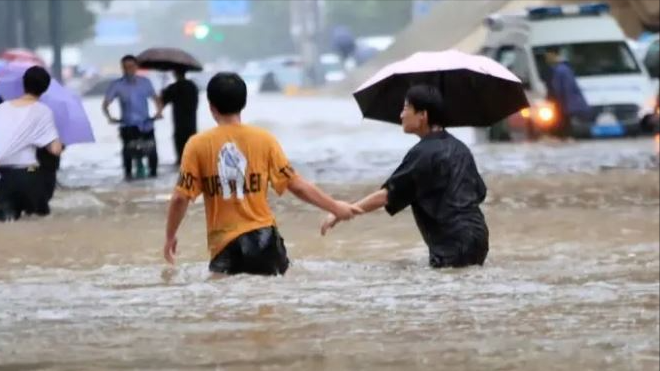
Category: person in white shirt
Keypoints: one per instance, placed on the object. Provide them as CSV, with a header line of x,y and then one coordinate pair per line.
x,y
26,124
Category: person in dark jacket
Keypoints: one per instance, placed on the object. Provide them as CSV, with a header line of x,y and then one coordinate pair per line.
x,y
564,92
438,177
184,96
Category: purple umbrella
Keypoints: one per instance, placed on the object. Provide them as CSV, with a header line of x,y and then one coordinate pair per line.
x,y
71,121
477,91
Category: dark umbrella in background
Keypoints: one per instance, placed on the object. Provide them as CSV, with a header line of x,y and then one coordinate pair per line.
x,y
477,91
168,59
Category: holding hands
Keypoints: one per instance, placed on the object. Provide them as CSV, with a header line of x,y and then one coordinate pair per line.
x,y
370,203
344,211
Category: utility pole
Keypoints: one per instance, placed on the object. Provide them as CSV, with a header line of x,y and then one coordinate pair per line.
x,y
306,31
55,23
9,14
26,24
3,25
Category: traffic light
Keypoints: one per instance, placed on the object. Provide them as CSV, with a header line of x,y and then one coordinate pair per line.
x,y
189,28
218,37
202,31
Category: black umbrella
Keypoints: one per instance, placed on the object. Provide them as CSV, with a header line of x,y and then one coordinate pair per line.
x,y
168,59
477,91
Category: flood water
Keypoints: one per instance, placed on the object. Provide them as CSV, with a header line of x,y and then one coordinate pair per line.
x,y
571,281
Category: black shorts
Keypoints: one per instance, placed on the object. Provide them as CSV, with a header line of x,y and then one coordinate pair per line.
x,y
261,251
21,191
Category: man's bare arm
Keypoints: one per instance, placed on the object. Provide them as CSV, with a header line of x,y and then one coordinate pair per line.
x,y
374,201
159,106
106,110
177,211
368,204
311,194
55,147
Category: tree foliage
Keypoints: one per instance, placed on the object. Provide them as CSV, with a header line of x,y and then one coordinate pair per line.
x,y
77,21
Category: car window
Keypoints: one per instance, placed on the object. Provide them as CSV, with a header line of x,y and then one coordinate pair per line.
x,y
593,59
487,51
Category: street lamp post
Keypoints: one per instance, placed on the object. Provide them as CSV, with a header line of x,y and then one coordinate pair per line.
x,y
55,23
306,28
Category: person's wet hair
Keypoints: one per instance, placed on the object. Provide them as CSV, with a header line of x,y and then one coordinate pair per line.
x,y
36,80
128,58
227,93
554,49
426,98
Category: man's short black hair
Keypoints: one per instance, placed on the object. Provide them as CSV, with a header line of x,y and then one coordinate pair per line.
x,y
128,57
227,93
552,49
36,80
427,98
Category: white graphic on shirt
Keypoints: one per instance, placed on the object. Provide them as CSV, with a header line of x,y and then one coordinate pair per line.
x,y
231,167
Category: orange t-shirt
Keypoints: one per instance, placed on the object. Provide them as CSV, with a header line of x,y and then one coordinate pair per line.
x,y
232,165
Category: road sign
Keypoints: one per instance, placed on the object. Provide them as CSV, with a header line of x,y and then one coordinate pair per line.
x,y
230,12
116,31
421,8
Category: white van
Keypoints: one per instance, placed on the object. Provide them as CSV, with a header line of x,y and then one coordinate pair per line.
x,y
613,80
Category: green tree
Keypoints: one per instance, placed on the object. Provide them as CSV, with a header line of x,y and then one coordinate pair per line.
x,y
77,21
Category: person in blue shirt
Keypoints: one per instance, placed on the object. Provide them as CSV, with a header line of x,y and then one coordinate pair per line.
x,y
564,91
136,125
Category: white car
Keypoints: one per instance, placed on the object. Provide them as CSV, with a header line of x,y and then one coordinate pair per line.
x,y
613,80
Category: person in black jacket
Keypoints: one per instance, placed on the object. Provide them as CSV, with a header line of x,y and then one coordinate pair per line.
x,y
184,96
438,177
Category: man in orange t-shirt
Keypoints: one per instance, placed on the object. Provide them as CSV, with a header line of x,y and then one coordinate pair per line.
x,y
232,166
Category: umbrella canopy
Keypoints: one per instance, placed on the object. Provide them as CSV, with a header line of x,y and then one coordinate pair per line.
x,y
168,59
22,55
71,121
477,91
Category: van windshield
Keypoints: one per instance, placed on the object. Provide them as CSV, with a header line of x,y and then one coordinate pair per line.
x,y
652,59
592,59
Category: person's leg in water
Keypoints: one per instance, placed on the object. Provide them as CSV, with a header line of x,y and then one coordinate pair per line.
x,y
138,157
180,140
149,141
257,252
9,210
128,135
140,171
49,164
183,130
22,191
